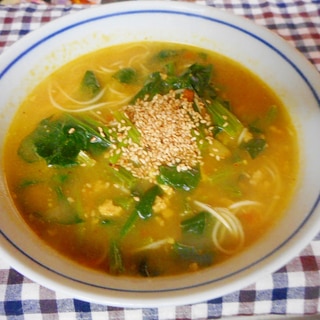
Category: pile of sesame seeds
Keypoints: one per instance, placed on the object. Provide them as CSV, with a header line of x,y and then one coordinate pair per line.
x,y
169,135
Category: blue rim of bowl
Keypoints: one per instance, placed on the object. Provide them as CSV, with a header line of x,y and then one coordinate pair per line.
x,y
180,13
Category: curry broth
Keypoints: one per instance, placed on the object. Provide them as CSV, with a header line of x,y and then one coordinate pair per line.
x,y
266,182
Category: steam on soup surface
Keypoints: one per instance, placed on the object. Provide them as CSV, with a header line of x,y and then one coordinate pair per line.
x,y
151,159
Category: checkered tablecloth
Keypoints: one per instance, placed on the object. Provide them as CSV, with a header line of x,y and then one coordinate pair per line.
x,y
294,289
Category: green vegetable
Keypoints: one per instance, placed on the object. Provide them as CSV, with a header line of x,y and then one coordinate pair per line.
x,y
254,147
133,132
224,119
142,210
165,54
27,183
271,114
197,77
195,224
97,136
144,206
126,75
227,180
146,269
184,180
64,212
260,125
27,149
125,202
154,85
192,254
63,142
170,68
90,83
116,262
123,176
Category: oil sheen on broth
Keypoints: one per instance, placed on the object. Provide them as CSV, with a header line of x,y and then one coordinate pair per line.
x,y
151,159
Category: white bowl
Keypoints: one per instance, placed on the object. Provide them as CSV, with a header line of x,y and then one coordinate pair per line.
x,y
285,70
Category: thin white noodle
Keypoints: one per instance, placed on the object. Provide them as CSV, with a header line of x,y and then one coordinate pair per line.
x,y
88,102
137,57
144,68
217,237
276,184
226,221
244,203
106,70
153,245
118,64
214,213
140,55
117,92
219,232
112,68
230,217
88,108
242,135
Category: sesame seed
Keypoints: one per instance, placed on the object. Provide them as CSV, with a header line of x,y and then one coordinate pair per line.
x,y
102,134
166,124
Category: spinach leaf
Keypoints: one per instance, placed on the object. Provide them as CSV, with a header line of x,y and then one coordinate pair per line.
x,y
56,145
115,258
133,133
195,224
126,202
62,211
97,136
63,142
154,85
27,149
197,77
254,146
122,176
90,83
227,180
126,75
192,254
181,180
143,209
261,124
147,269
224,119
165,54
144,206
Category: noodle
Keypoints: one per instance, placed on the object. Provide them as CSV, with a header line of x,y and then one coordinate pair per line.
x,y
226,221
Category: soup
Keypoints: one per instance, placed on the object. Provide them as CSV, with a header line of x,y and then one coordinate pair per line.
x,y
151,159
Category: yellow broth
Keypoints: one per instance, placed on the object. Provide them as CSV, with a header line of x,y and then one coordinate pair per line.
x,y
255,191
